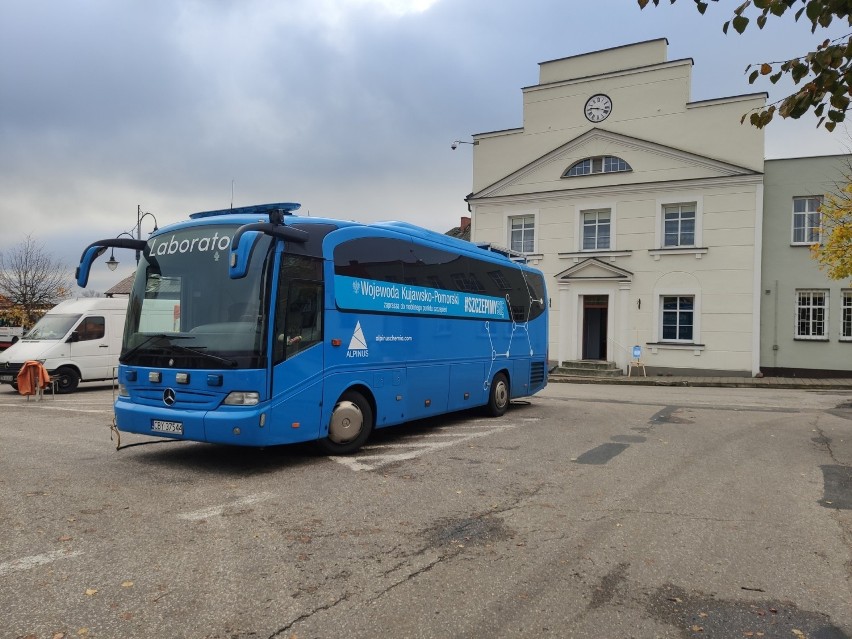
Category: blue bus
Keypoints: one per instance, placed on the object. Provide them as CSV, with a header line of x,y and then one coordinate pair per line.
x,y
255,326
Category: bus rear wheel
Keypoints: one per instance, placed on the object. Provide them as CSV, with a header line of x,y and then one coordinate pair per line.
x,y
350,425
498,396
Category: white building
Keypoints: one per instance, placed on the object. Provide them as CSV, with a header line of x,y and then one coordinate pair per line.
x,y
642,208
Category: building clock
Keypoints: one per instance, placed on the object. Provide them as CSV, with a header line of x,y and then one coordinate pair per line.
x,y
598,107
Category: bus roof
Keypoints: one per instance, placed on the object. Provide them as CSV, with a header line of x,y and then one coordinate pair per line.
x,y
248,214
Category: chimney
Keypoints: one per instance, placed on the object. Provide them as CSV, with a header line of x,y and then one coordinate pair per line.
x,y
465,224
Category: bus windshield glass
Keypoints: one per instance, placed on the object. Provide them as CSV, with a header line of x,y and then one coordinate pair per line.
x,y
185,311
52,327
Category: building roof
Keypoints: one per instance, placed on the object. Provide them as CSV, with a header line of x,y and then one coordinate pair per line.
x,y
462,231
123,287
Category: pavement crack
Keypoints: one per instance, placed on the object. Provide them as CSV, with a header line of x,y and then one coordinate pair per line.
x,y
308,615
411,576
823,440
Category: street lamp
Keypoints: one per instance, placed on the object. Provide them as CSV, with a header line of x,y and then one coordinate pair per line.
x,y
456,143
139,217
112,263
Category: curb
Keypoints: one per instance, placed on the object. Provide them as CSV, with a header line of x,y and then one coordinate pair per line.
x,y
712,382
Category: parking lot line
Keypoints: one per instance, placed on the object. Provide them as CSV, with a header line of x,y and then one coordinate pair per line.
x,y
26,563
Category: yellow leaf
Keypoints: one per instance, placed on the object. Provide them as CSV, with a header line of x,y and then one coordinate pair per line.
x,y
798,633
697,629
126,584
91,591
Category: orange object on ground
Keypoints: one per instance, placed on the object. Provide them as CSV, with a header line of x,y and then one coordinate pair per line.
x,y
32,376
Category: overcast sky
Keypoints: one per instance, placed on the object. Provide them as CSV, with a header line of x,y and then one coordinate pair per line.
x,y
347,106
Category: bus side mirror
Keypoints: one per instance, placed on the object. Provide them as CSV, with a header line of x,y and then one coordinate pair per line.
x,y
239,256
89,256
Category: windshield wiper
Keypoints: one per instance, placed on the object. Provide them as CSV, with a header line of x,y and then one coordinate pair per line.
x,y
126,356
197,351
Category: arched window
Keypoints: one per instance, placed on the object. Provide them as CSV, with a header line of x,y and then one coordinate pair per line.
x,y
600,164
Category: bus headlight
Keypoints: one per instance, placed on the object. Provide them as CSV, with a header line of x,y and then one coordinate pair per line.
x,y
242,398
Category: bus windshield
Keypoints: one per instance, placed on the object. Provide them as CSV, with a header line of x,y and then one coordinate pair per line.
x,y
185,311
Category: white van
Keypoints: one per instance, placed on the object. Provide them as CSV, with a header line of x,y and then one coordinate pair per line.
x,y
77,340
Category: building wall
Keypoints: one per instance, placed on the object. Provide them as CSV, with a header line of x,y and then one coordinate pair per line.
x,y
678,152
788,268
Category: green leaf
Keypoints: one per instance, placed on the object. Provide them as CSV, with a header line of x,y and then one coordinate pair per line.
x,y
753,76
740,23
778,8
775,77
725,27
701,6
761,21
813,10
829,126
840,102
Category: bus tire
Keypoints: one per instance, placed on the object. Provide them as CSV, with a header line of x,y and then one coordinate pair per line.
x,y
498,396
350,425
67,380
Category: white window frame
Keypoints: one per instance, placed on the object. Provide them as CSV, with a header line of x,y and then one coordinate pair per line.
x,y
662,312
589,206
817,229
681,199
846,315
597,165
596,225
680,209
823,337
507,228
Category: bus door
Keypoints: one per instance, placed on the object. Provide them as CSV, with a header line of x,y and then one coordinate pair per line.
x,y
297,375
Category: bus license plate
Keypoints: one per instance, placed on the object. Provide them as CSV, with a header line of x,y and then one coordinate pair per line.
x,y
6,378
174,428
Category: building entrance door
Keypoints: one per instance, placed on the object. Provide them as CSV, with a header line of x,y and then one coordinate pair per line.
x,y
594,326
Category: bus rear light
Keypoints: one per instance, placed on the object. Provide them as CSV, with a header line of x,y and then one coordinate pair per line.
x,y
242,398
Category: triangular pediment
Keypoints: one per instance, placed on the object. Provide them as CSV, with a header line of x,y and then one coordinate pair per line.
x,y
649,163
594,269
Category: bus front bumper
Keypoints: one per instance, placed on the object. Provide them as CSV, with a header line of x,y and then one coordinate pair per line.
x,y
238,426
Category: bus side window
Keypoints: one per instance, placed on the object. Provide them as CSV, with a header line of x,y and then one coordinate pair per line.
x,y
303,321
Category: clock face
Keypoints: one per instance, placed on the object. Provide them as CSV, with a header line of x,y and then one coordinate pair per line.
x,y
598,107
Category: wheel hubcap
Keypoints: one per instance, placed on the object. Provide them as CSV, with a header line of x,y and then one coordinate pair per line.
x,y
346,422
501,395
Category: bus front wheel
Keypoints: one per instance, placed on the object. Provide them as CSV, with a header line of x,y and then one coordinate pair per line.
x,y
498,396
350,425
